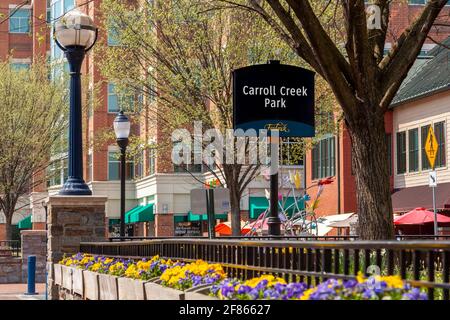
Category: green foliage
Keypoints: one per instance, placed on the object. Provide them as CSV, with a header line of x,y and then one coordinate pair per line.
x,y
32,118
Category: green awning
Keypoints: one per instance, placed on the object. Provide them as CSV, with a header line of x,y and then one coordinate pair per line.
x,y
204,217
141,214
258,205
180,219
25,223
129,213
112,222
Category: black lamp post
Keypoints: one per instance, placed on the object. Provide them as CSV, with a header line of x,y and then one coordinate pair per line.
x,y
122,131
75,33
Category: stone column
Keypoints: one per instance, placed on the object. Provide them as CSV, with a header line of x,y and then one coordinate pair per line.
x,y
70,221
34,243
164,225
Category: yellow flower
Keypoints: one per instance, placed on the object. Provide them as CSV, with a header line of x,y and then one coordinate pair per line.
x,y
394,282
307,293
360,277
96,266
132,271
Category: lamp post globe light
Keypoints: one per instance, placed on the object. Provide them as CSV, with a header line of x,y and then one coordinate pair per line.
x,y
75,34
122,131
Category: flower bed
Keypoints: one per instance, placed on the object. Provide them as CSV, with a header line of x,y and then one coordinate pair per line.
x,y
162,279
269,287
154,278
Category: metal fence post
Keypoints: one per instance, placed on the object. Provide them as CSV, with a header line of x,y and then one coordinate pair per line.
x,y
31,281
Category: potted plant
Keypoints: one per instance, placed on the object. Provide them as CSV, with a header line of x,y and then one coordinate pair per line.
x,y
77,281
90,284
57,272
107,285
199,293
155,291
67,277
131,289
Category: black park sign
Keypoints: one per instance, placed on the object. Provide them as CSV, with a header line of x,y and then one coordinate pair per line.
x,y
274,96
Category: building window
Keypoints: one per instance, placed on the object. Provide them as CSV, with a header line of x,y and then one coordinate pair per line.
x,y
139,167
89,168
57,172
413,149
17,66
114,167
113,36
389,151
439,131
54,174
423,136
119,100
323,159
151,161
192,168
113,100
49,11
401,152
68,5
291,152
19,21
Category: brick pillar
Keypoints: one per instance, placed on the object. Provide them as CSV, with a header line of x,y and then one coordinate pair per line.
x,y
164,225
34,243
71,220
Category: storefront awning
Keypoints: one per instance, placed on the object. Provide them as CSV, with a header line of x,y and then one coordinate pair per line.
x,y
25,223
129,213
140,214
258,205
112,222
407,199
180,218
204,217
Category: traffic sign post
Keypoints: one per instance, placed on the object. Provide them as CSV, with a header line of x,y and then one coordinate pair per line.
x,y
431,149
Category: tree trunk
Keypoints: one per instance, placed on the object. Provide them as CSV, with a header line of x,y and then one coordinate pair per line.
x,y
371,170
8,226
235,211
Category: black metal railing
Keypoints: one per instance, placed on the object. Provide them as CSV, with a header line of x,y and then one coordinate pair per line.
x,y
296,238
421,263
10,248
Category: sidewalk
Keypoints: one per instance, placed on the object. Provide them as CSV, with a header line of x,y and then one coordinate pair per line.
x,y
15,291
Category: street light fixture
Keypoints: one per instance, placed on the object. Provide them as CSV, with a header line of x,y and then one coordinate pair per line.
x,y
75,34
122,131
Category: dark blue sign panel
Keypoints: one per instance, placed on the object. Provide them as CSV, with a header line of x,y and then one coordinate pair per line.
x,y
274,96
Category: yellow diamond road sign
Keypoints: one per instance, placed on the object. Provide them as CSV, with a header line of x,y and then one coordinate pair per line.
x,y
431,147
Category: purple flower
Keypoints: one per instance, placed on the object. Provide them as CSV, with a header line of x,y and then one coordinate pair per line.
x,y
415,294
244,289
227,291
349,284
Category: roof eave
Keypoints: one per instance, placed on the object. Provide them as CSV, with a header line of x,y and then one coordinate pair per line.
x,y
420,96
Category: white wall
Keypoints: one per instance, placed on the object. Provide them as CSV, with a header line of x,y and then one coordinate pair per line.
x,y
416,114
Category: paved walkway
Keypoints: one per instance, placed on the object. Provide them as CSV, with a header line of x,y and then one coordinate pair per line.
x,y
16,292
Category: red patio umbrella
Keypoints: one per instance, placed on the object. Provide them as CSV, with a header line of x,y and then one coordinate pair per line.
x,y
224,228
420,216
